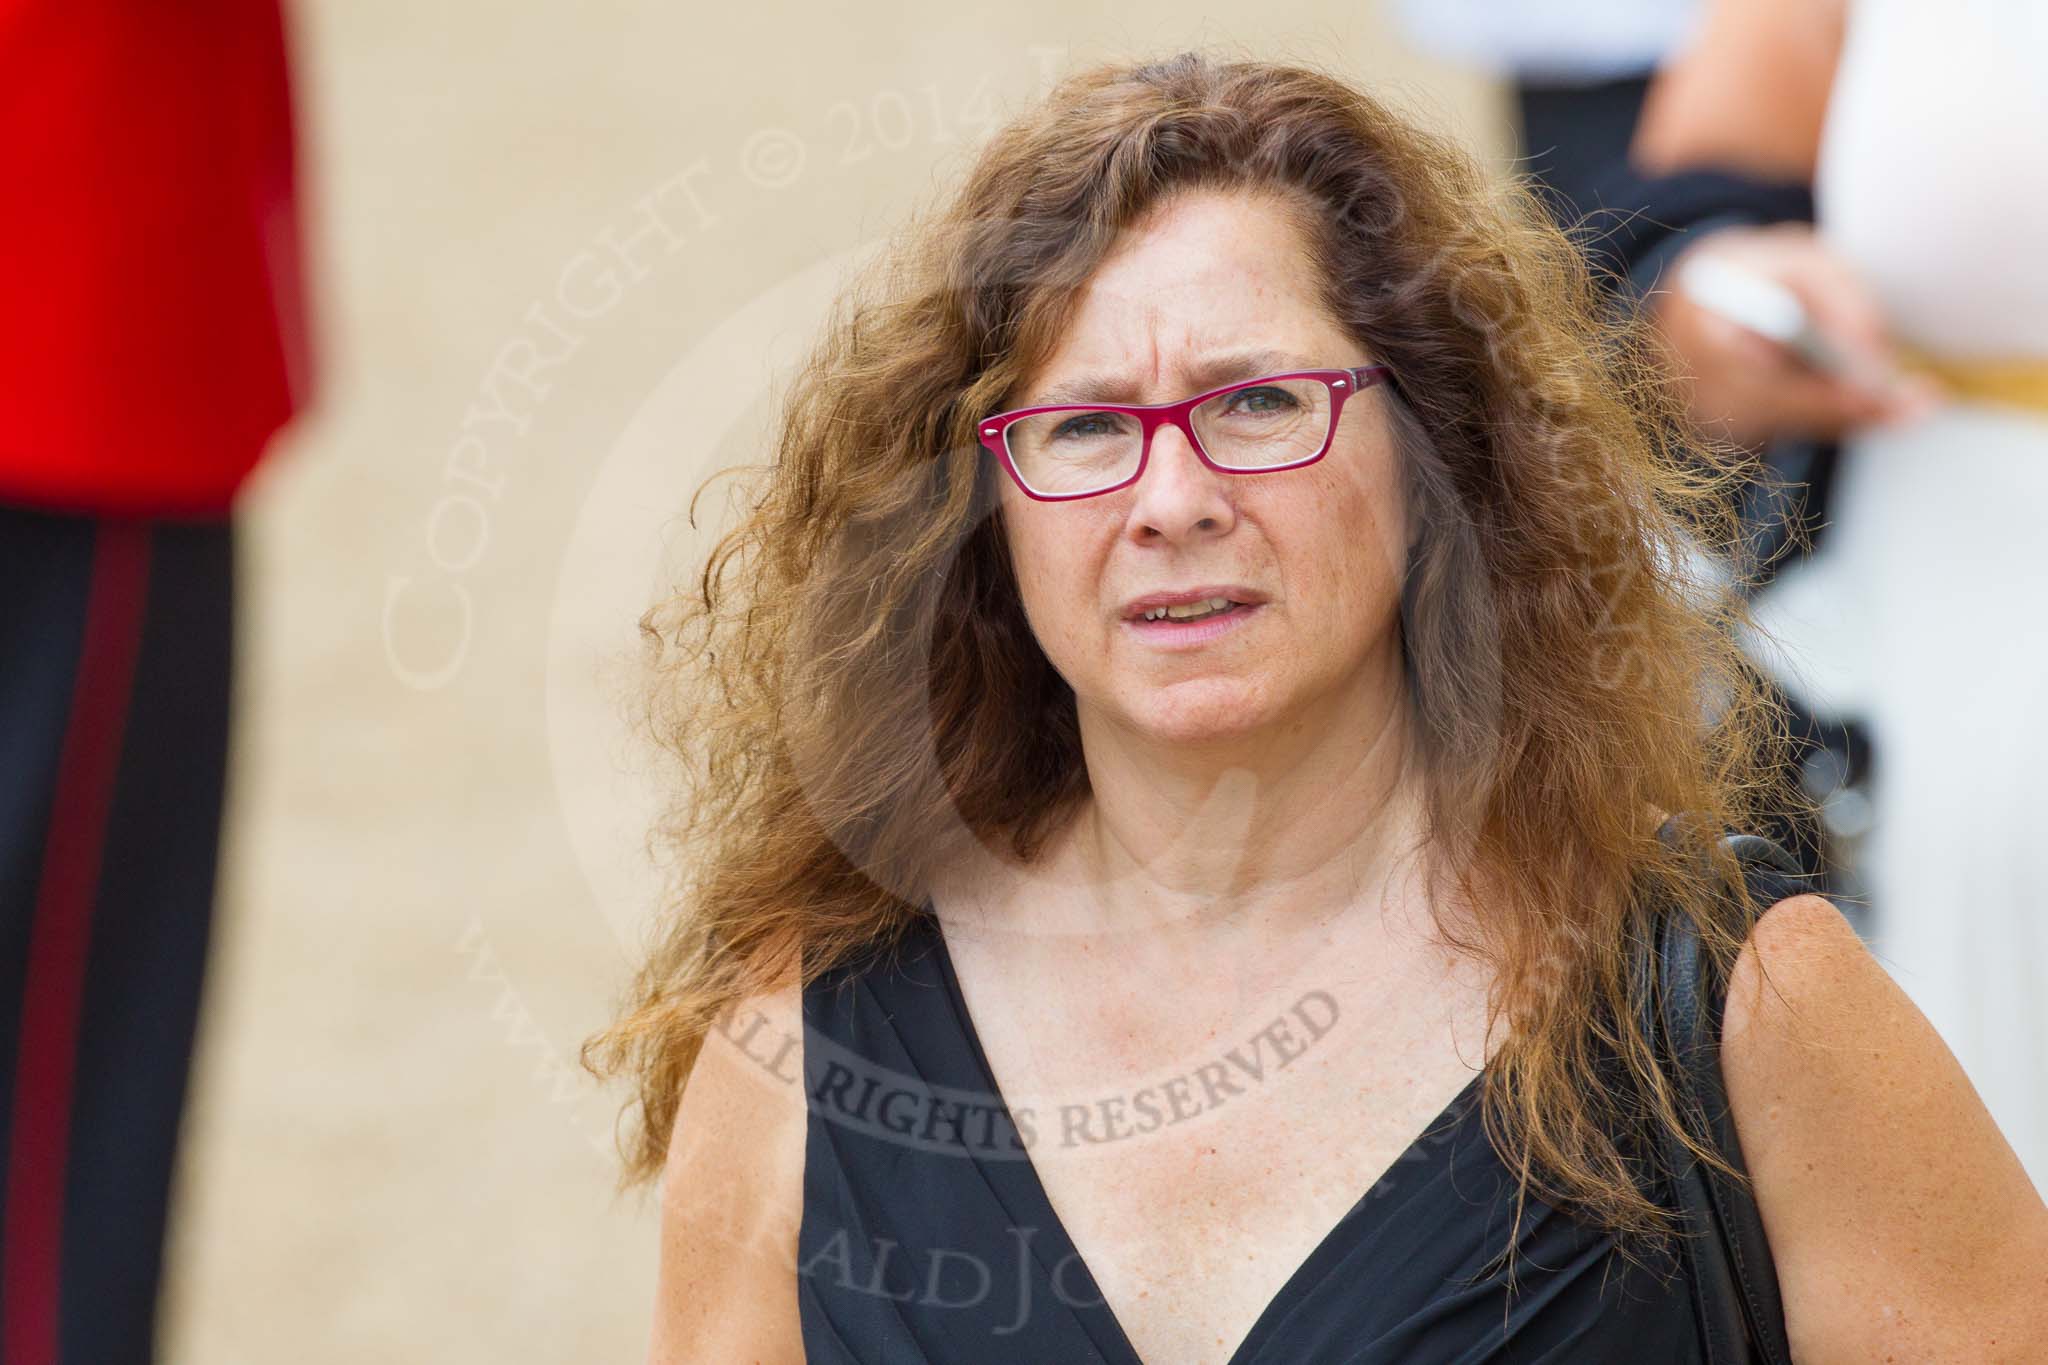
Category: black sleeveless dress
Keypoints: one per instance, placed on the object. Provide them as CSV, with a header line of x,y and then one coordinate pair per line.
x,y
926,1235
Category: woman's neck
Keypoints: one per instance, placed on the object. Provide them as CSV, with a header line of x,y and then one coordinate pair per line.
x,y
1299,827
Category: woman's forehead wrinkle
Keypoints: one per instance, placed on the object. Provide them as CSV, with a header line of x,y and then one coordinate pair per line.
x,y
1218,367
1135,363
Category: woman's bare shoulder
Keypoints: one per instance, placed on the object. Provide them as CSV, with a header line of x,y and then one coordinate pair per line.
x,y
1901,1221
732,1193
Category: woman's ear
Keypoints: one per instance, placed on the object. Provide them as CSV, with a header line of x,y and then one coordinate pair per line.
x,y
999,528
1409,441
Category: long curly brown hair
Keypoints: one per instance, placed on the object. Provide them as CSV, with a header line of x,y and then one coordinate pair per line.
x,y
852,689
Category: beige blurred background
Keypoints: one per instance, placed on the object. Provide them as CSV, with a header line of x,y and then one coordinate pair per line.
x,y
560,253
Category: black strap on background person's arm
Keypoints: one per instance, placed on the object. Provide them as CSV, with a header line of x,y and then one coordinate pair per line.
x,y
1645,221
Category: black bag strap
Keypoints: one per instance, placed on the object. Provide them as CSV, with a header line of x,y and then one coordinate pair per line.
x,y
1735,1282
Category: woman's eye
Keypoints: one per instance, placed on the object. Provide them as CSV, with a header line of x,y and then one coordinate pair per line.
x,y
1094,424
1263,399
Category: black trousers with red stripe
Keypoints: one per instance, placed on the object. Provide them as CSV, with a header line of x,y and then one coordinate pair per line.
x,y
116,646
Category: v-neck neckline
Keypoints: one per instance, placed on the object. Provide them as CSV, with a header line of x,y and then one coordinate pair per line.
x,y
1064,1251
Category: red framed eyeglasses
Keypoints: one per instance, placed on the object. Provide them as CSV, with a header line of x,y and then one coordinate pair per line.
x,y
1057,452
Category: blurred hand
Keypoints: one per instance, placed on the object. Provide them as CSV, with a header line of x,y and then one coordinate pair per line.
x,y
1744,386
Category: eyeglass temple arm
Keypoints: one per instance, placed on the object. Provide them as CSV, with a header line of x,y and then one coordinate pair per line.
x,y
1365,376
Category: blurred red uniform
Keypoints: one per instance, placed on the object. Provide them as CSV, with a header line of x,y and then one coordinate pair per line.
x,y
150,346
151,338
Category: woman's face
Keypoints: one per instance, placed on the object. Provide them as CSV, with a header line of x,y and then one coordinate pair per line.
x,y
1208,276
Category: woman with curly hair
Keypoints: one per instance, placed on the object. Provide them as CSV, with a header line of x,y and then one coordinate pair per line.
x,y
1179,756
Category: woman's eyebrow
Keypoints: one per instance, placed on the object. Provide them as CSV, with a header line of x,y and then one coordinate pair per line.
x,y
1208,373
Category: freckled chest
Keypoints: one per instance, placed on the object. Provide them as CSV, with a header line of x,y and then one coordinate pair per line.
x,y
1198,1143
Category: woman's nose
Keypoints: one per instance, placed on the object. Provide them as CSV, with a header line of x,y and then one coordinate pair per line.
x,y
1177,490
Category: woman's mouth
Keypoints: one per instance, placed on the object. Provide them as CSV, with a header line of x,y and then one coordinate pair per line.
x,y
1192,611
1192,630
